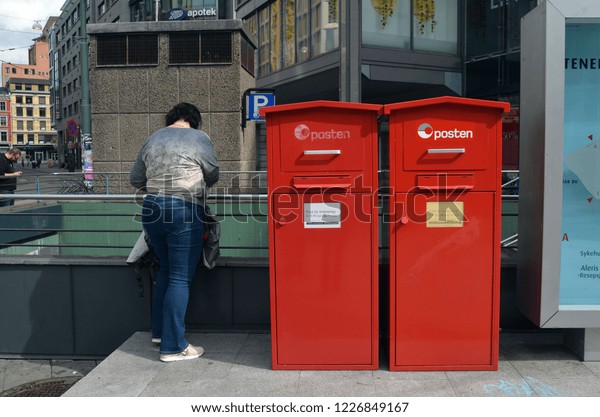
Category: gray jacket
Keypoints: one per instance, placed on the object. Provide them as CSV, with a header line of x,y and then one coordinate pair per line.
x,y
176,161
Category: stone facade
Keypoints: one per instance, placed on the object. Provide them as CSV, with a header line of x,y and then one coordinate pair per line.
x,y
128,103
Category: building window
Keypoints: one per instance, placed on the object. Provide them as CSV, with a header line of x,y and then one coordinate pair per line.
x,y
14,70
127,50
101,9
2,106
29,111
19,99
28,100
215,48
19,138
43,125
42,100
26,71
29,125
205,48
3,121
28,87
247,56
75,107
19,111
20,125
42,112
430,26
31,138
3,136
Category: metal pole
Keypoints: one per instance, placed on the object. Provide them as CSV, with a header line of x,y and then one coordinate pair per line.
x,y
86,116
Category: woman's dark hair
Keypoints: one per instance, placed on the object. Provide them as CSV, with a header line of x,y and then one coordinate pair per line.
x,y
187,112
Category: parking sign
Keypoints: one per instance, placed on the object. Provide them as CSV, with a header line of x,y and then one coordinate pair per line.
x,y
256,101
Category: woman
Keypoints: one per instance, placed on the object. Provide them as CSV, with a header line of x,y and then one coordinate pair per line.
x,y
174,167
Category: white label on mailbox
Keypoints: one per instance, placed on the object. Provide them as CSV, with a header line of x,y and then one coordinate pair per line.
x,y
322,216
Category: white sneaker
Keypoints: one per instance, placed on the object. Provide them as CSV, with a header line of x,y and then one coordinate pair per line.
x,y
190,352
156,340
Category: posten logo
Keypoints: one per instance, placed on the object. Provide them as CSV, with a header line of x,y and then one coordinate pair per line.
x,y
302,132
425,131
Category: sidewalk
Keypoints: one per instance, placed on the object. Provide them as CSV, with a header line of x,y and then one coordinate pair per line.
x,y
239,365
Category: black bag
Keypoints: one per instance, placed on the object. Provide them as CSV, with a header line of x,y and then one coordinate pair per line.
x,y
212,233
142,257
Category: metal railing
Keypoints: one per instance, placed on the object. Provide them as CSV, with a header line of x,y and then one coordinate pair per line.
x,y
48,222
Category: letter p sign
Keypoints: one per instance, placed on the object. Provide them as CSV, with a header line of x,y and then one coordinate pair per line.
x,y
257,101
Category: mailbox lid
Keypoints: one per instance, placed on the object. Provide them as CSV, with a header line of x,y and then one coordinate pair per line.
x,y
446,134
322,137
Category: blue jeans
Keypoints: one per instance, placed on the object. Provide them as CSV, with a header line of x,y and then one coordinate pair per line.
x,y
175,228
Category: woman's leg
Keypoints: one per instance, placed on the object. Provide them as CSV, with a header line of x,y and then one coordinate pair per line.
x,y
184,242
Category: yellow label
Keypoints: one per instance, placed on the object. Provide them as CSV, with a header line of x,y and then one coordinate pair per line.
x,y
445,214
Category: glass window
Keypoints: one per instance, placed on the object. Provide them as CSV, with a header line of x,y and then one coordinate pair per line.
x,y
20,138
19,111
324,26
43,125
30,111
19,99
263,41
184,48
386,23
275,54
2,106
289,28
20,125
42,100
30,125
435,26
29,100
4,136
42,112
3,121
302,33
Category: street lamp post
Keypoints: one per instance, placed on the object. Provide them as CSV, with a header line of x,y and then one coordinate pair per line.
x,y
86,117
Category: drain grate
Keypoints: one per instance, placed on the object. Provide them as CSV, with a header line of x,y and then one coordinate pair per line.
x,y
54,387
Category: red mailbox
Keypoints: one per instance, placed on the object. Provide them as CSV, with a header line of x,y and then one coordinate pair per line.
x,y
322,159
445,173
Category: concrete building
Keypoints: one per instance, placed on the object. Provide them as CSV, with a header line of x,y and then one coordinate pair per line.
x,y
138,71
5,125
30,118
65,55
27,113
38,66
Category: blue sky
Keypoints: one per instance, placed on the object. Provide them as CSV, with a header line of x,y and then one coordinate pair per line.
x,y
16,19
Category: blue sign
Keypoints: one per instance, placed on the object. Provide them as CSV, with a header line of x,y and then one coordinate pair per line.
x,y
580,240
257,101
177,14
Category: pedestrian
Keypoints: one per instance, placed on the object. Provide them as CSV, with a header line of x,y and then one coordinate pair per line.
x,y
174,167
8,175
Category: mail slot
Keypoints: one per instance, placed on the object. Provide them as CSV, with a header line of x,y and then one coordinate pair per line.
x,y
323,235
445,173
